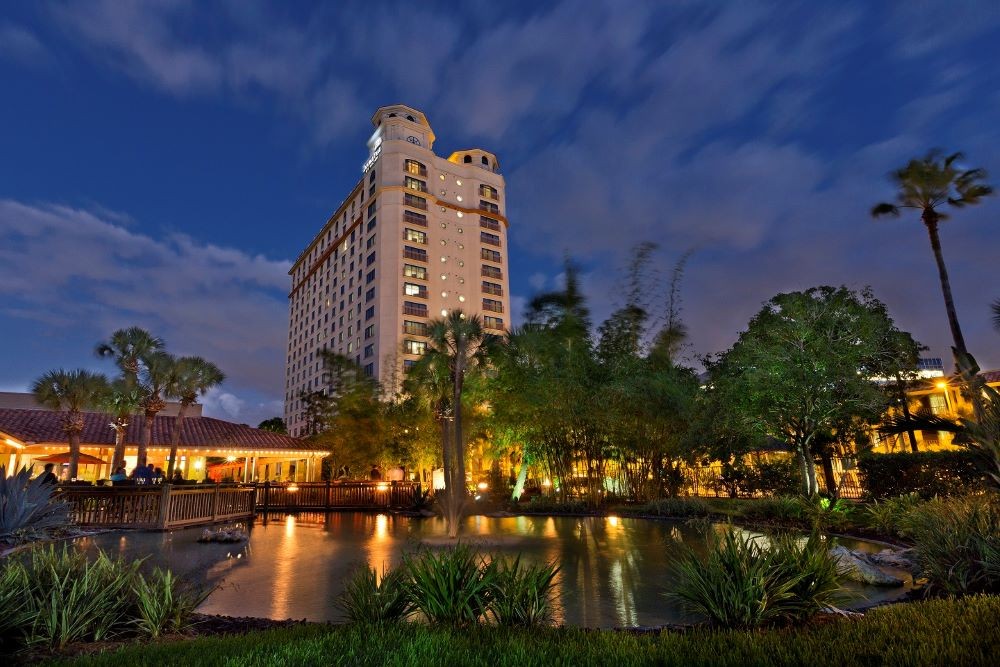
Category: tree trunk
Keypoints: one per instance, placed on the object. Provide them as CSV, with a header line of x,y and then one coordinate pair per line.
x,y
459,442
909,431
804,471
828,477
930,219
74,454
118,458
175,438
145,439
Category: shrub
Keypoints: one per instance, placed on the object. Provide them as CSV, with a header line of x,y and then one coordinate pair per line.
x,y
824,514
957,544
928,474
13,604
27,508
771,478
887,517
549,505
164,603
781,508
371,599
522,594
676,507
743,583
69,598
453,587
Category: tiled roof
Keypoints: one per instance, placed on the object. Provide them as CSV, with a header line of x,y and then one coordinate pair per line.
x,y
46,426
991,376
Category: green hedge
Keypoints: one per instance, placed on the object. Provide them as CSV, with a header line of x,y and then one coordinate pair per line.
x,y
926,473
938,632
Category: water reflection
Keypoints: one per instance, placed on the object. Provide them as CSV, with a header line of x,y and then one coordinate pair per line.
x,y
614,570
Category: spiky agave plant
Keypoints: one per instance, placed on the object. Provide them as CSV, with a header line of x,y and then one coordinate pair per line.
x,y
27,507
165,603
452,587
523,594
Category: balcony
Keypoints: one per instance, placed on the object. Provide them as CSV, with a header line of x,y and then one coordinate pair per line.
x,y
420,293
488,192
415,184
489,239
489,255
415,201
416,309
492,306
415,218
489,223
491,288
415,168
491,272
415,253
415,328
489,206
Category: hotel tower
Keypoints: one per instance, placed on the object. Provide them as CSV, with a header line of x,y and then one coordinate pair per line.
x,y
418,236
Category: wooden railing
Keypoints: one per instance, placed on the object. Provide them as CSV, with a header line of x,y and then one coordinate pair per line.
x,y
337,495
157,507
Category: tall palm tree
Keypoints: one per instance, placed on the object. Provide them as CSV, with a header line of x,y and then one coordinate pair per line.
x,y
73,392
927,185
459,344
121,402
156,373
996,314
192,377
128,347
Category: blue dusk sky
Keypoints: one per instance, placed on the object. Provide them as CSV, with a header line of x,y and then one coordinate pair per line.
x,y
162,163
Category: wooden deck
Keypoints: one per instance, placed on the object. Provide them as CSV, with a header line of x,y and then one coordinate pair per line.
x,y
170,506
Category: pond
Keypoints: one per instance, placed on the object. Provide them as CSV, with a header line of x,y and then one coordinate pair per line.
x,y
614,571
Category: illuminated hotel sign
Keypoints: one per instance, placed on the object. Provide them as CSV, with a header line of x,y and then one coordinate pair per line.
x,y
370,161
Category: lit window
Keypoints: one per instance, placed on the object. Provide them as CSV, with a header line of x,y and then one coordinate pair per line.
x,y
459,197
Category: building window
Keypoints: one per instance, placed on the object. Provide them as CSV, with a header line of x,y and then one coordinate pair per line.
x,y
488,191
484,160
416,184
489,206
371,209
370,369
408,364
371,242
414,236
491,272
415,218
414,346
489,239
369,331
371,224
370,277
489,255
371,177
493,323
415,168
418,254
492,305
412,289
492,288
370,260
415,201
370,313
369,350
370,294
414,328
489,223
413,271
413,308
467,159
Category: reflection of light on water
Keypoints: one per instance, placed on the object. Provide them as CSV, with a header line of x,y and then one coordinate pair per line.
x,y
613,521
381,527
284,559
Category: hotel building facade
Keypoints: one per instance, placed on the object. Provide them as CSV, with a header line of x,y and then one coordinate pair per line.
x,y
418,236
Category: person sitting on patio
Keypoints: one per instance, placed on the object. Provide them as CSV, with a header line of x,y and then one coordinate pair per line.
x,y
178,478
119,475
48,477
375,475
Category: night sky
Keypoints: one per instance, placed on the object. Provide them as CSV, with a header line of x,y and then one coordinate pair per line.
x,y
161,163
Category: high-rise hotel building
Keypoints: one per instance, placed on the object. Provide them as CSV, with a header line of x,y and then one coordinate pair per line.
x,y
418,236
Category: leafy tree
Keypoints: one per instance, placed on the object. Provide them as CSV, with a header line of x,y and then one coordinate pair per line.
x,y
191,377
72,392
274,425
927,185
806,364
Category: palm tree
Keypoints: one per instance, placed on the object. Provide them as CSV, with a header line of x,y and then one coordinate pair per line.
x,y
128,347
155,377
456,346
73,392
192,377
122,400
996,314
927,185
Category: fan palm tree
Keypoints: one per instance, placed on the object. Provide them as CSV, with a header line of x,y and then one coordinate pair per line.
x,y
128,347
996,315
157,372
927,185
456,345
122,400
72,392
191,377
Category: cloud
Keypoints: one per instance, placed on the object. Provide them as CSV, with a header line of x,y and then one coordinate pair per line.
x,y
67,268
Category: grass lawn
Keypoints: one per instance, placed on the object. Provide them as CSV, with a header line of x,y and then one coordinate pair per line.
x,y
938,632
